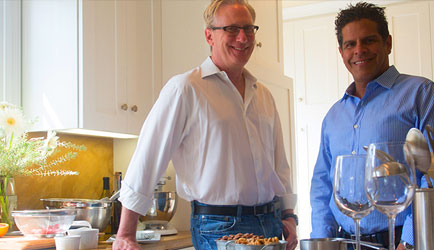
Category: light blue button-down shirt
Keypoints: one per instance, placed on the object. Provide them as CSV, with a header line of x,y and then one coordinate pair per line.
x,y
393,103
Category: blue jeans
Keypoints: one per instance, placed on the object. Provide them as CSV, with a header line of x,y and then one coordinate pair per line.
x,y
205,229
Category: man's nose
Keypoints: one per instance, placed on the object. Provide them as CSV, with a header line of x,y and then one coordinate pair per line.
x,y
242,37
360,48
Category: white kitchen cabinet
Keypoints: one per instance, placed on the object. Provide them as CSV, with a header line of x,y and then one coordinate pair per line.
x,y
269,50
93,65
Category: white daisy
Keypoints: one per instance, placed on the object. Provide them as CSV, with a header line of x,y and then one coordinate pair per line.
x,y
12,121
4,105
51,142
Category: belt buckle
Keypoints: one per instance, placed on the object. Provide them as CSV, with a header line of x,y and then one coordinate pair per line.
x,y
254,210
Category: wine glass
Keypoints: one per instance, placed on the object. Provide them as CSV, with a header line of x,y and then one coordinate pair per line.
x,y
390,180
348,189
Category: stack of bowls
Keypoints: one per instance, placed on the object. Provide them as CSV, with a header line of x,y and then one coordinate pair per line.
x,y
97,212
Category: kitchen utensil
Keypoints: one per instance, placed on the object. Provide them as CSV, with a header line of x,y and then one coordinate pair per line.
x,y
423,216
225,244
418,147
44,222
430,132
89,237
161,212
141,236
113,197
334,244
231,245
389,166
96,212
68,242
383,156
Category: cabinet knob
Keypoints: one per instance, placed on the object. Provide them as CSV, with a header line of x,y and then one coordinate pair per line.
x,y
134,108
124,107
259,45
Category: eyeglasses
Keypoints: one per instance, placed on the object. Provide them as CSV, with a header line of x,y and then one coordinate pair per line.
x,y
249,30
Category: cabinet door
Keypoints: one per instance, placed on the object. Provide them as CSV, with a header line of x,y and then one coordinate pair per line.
x,y
120,51
101,84
268,51
409,25
138,53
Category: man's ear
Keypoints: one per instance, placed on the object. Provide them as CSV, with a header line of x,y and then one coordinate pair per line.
x,y
209,37
389,44
340,50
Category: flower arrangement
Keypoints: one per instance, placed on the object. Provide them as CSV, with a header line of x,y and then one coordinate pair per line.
x,y
19,154
23,156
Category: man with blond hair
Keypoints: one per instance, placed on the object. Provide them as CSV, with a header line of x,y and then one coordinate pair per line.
x,y
221,129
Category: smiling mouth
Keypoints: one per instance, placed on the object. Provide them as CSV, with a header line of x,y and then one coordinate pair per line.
x,y
361,61
239,49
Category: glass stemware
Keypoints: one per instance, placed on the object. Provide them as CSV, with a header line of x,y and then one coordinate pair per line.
x,y
390,180
348,189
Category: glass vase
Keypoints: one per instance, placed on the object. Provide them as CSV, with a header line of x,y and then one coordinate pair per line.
x,y
8,200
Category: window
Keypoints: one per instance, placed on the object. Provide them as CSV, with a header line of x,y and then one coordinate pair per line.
x,y
10,51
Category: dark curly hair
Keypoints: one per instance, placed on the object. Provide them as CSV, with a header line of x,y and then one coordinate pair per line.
x,y
361,10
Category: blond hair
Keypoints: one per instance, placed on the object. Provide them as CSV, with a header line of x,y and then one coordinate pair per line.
x,y
211,10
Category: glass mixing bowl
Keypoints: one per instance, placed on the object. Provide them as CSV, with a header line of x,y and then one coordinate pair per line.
x,y
44,223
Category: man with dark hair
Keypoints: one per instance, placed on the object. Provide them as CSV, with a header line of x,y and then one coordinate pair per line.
x,y
380,105
221,129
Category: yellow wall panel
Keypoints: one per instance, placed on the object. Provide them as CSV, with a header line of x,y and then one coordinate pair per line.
x,y
93,164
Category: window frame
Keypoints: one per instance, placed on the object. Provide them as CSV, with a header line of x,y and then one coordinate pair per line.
x,y
10,51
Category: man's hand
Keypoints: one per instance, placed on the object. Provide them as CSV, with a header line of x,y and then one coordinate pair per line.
x,y
126,236
290,231
400,247
122,243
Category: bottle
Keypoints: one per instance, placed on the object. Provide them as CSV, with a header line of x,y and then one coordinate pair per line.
x,y
105,188
117,182
117,206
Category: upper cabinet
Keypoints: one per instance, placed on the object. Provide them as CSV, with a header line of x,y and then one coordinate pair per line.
x,y
91,64
268,52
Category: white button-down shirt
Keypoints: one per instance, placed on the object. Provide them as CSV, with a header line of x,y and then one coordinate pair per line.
x,y
225,150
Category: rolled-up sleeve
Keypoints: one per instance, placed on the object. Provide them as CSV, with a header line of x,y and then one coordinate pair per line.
x,y
160,136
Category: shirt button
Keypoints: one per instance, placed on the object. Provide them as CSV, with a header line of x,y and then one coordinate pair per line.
x,y
354,152
356,126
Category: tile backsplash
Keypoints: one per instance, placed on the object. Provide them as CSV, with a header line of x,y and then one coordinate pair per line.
x,y
93,164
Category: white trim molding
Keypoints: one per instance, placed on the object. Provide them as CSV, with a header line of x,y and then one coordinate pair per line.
x,y
10,51
324,7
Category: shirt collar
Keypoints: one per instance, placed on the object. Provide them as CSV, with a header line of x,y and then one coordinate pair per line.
x,y
387,79
208,68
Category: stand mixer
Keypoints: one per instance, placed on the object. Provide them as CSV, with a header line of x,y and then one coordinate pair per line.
x,y
161,212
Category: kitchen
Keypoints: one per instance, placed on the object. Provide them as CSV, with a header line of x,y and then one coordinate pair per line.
x,y
66,90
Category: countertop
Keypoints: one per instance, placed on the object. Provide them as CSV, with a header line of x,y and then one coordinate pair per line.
x,y
180,240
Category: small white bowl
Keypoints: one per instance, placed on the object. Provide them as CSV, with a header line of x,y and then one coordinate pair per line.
x,y
70,242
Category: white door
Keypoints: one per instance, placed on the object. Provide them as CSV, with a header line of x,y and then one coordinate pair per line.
x,y
319,81
409,25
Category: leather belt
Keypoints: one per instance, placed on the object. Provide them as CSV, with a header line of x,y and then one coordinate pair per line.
x,y
267,208
380,237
